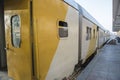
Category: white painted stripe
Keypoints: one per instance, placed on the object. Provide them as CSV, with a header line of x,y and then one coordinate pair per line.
x,y
66,56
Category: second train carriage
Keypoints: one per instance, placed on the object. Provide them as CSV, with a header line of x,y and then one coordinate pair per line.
x,y
46,39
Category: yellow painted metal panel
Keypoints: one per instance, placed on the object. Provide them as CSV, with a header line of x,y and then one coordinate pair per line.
x,y
19,59
16,4
46,14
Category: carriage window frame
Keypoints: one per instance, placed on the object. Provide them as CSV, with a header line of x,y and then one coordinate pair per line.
x,y
16,31
88,33
63,29
94,33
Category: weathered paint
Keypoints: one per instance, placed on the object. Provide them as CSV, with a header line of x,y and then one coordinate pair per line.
x,y
88,46
18,59
46,14
66,56
92,42
49,49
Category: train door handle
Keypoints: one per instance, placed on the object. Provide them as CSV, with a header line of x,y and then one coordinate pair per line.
x,y
7,47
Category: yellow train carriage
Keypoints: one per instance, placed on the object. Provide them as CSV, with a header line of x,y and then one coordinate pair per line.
x,y
41,39
47,39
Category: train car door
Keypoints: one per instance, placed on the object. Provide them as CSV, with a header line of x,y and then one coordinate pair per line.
x,y
18,39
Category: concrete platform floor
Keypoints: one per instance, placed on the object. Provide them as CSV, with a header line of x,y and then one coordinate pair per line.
x,y
4,76
105,65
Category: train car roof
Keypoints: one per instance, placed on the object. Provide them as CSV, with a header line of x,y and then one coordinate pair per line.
x,y
84,12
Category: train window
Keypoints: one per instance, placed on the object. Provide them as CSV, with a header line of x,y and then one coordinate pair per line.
x,y
88,33
94,33
15,30
63,29
63,24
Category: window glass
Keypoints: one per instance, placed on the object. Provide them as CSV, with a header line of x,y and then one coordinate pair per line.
x,y
63,29
94,33
88,33
15,30
63,24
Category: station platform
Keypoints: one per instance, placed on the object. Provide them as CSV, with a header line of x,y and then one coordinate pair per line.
x,y
104,66
4,75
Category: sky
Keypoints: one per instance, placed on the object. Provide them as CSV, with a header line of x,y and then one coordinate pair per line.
x,y
101,10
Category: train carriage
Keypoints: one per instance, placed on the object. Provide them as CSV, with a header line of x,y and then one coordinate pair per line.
x,y
48,39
